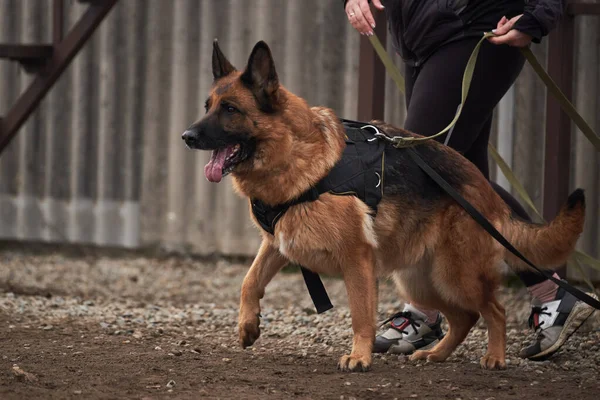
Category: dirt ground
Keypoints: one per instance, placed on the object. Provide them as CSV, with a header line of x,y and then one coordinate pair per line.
x,y
152,328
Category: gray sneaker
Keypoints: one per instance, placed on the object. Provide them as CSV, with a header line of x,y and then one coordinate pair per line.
x,y
409,332
554,322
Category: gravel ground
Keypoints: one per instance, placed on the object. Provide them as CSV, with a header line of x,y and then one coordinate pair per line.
x,y
183,312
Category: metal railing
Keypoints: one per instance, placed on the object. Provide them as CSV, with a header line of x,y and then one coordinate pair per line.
x,y
48,61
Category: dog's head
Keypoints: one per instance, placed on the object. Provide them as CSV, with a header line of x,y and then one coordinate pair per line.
x,y
239,112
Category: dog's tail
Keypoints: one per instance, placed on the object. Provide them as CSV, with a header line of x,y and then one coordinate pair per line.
x,y
547,246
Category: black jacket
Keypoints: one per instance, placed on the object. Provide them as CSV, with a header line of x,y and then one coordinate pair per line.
x,y
419,27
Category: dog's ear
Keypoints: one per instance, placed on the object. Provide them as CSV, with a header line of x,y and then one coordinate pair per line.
x,y
260,76
220,64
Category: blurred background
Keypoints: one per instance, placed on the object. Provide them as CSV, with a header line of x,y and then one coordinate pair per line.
x,y
101,161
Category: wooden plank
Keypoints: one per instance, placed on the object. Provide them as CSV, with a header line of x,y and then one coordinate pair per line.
x,y
32,57
371,75
57,21
25,52
558,124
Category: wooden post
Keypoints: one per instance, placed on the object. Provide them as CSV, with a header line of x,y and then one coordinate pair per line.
x,y
558,124
371,74
57,22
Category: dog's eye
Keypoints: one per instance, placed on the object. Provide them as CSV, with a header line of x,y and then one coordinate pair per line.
x,y
230,109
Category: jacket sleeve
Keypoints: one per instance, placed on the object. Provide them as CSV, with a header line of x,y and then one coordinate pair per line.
x,y
540,17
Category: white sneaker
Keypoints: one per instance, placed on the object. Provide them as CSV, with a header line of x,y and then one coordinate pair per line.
x,y
409,332
554,322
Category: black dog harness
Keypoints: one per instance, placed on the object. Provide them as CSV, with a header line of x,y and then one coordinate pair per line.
x,y
358,173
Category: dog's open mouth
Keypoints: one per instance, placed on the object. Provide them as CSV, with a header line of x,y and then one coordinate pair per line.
x,y
223,161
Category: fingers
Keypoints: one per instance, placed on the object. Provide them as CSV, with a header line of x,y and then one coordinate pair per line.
x,y
501,23
505,25
498,40
503,28
502,39
367,17
360,16
378,5
360,23
513,38
351,7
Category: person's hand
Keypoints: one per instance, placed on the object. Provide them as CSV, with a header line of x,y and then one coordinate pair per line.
x,y
360,16
505,34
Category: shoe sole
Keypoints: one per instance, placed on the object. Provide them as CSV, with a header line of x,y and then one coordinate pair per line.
x,y
576,319
426,347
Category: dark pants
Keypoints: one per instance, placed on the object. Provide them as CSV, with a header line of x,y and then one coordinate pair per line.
x,y
433,92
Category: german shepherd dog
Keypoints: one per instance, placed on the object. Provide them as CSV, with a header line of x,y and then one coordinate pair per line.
x,y
276,147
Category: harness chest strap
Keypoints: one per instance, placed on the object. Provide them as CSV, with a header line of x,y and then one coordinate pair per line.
x,y
267,218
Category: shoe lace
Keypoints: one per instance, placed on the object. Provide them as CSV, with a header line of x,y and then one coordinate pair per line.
x,y
536,310
407,315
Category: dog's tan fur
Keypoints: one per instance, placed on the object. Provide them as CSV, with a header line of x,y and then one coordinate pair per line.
x,y
439,256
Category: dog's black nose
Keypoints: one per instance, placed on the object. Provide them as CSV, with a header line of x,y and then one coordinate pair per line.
x,y
189,137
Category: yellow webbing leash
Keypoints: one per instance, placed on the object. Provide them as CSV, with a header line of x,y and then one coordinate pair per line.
x,y
566,105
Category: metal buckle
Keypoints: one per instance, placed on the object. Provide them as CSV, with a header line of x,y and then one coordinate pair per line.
x,y
396,141
377,132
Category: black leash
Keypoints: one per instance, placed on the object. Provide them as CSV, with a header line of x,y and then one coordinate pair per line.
x,y
481,220
317,291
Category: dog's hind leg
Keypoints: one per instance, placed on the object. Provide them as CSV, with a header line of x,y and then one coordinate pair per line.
x,y
460,323
267,263
495,318
359,277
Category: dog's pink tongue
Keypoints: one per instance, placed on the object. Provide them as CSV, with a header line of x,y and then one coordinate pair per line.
x,y
214,169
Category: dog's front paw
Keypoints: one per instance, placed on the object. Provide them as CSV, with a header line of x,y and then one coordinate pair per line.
x,y
433,356
249,331
419,355
490,361
355,363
